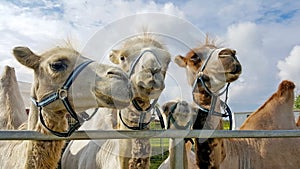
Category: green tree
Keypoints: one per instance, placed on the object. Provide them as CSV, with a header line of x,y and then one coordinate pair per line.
x,y
297,102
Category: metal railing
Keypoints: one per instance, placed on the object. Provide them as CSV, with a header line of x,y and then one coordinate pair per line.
x,y
125,134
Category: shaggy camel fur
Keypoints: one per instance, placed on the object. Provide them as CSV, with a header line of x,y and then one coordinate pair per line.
x,y
276,113
217,66
276,153
95,86
147,76
178,115
12,113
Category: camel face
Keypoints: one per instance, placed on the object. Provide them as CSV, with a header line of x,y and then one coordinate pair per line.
x,y
148,74
181,111
221,65
97,85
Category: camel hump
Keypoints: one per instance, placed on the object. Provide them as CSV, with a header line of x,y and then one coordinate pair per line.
x,y
286,85
8,75
8,71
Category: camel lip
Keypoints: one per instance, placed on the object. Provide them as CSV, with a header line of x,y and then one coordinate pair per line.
x,y
237,70
232,77
117,75
113,102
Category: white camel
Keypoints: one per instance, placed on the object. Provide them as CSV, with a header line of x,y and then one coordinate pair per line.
x,y
178,115
12,113
146,61
63,79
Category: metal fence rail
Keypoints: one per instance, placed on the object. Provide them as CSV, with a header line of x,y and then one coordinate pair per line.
x,y
125,134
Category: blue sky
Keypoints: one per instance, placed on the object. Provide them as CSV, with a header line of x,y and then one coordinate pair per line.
x,y
264,33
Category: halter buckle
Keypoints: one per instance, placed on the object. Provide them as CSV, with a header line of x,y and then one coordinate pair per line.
x,y
62,93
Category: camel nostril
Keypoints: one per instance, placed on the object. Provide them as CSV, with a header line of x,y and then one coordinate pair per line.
x,y
238,69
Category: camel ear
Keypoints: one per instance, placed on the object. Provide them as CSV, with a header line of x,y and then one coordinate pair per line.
x,y
180,61
113,57
166,108
26,57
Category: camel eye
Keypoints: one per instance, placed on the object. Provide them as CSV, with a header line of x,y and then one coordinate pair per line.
x,y
122,58
195,58
58,66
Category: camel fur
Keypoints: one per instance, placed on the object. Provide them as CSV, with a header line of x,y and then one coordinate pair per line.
x,y
180,150
147,78
222,66
51,69
13,112
276,153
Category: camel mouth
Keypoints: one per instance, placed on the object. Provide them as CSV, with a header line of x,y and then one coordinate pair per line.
x,y
114,73
237,70
149,92
111,102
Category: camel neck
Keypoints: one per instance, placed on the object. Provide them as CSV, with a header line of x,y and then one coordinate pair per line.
x,y
178,156
37,149
141,104
202,98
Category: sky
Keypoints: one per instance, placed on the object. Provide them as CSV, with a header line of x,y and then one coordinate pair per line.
x,y
265,34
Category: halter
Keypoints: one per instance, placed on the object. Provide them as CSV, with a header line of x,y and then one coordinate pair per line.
x,y
172,120
214,95
142,125
62,94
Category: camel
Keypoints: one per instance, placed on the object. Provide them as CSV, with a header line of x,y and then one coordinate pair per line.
x,y
178,115
276,153
13,112
146,61
64,82
208,69
278,107
298,122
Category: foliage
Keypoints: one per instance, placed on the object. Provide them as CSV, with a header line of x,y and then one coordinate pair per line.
x,y
297,102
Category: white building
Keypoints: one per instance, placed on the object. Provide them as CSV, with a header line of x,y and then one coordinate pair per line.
x,y
238,118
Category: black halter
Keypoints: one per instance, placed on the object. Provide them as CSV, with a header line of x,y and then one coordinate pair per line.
x,y
142,125
214,95
62,94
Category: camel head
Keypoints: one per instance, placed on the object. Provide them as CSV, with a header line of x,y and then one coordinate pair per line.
x,y
146,61
178,114
217,66
97,85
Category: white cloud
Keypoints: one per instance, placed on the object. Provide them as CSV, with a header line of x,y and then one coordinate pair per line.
x,y
262,32
44,24
257,79
289,68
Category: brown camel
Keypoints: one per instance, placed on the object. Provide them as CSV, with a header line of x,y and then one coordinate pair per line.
x,y
146,61
12,113
78,84
276,153
278,108
298,122
208,69
178,115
